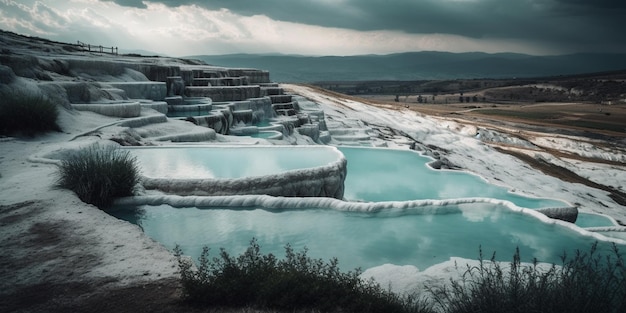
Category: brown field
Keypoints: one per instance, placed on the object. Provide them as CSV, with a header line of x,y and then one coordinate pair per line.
x,y
583,119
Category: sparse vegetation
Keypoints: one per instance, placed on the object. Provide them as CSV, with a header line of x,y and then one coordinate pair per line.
x,y
27,114
294,283
584,119
588,282
541,116
98,174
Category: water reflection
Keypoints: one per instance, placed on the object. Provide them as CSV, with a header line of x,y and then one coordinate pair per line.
x,y
364,239
360,239
228,161
398,175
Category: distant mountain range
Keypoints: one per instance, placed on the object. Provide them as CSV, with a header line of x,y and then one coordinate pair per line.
x,y
418,65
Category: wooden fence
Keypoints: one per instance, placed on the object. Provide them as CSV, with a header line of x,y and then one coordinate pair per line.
x,y
93,48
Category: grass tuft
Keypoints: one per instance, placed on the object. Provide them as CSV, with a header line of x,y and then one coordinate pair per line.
x,y
27,114
588,282
99,174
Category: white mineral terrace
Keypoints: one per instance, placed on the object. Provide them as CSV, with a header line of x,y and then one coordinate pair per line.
x,y
123,100
315,171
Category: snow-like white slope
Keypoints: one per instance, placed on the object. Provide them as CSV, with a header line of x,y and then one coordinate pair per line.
x,y
467,151
122,252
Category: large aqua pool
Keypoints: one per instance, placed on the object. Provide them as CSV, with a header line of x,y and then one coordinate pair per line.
x,y
360,239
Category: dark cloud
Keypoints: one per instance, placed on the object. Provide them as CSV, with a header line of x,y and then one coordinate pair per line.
x,y
557,22
133,3
607,4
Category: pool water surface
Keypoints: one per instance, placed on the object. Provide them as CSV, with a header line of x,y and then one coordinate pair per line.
x,y
229,161
407,236
401,175
360,239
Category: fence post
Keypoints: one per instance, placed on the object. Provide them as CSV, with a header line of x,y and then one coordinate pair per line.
x,y
98,48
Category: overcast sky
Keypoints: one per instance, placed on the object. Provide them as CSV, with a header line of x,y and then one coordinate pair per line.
x,y
326,27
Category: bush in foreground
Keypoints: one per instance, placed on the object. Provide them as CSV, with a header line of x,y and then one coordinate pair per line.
x,y
27,114
294,283
588,282
99,174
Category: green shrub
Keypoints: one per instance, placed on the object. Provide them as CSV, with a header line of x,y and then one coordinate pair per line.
x,y
99,174
294,283
586,283
27,114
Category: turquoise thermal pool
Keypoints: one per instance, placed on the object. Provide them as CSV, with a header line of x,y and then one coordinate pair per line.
x,y
229,161
360,239
400,234
266,134
400,175
593,220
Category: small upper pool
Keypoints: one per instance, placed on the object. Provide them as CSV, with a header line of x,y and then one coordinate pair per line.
x,y
224,162
265,134
402,175
594,220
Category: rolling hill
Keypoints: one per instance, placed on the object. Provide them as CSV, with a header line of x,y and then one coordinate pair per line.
x,y
418,65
